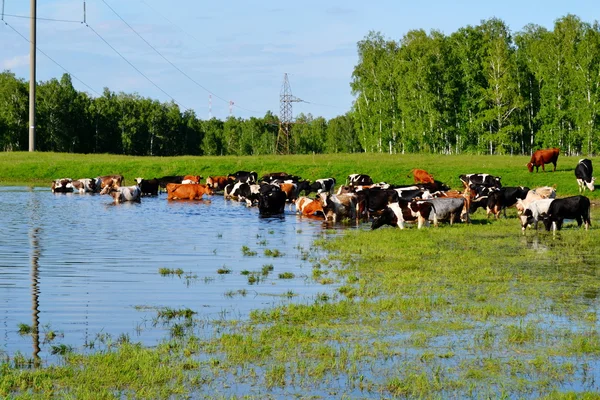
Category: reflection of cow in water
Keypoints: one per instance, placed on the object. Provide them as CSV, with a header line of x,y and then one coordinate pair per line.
x,y
541,157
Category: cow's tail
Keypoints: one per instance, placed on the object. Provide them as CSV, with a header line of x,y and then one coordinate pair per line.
x,y
435,220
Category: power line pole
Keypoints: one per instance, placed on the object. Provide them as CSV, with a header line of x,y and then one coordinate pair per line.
x,y
32,51
285,116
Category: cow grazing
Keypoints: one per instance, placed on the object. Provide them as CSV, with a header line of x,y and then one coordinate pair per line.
x,y
244,176
534,211
191,179
307,206
121,194
63,185
359,180
336,207
422,176
575,207
187,191
541,157
271,203
85,185
218,182
402,211
486,180
108,180
583,173
148,187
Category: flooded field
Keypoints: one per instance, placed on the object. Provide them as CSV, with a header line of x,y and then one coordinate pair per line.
x,y
76,267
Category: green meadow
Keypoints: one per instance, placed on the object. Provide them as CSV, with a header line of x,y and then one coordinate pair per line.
x,y
463,311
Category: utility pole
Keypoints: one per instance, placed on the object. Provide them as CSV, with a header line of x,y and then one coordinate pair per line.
x,y
32,51
286,116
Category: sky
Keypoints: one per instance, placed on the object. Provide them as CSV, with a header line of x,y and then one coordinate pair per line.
x,y
237,51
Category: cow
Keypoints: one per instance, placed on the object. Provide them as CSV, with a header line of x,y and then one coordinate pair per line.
x,y
244,176
191,179
575,207
218,182
148,187
165,180
336,207
447,209
122,194
290,190
486,180
434,186
377,200
187,191
249,193
359,180
541,157
271,203
583,173
307,206
544,192
410,192
63,185
500,200
85,185
534,211
396,214
422,176
280,177
108,180
323,185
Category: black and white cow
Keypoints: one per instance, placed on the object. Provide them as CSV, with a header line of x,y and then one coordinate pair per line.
x,y
243,191
533,212
575,207
359,180
323,185
481,179
244,176
85,185
583,173
402,211
503,198
376,199
271,203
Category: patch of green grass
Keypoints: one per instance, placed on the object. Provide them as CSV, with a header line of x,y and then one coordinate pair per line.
x,y
266,269
273,253
287,275
170,271
224,270
247,252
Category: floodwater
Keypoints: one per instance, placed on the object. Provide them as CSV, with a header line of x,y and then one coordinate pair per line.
x,y
79,266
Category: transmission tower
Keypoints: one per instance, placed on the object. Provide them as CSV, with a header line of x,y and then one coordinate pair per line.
x,y
286,117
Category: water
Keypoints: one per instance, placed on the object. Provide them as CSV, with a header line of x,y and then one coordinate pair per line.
x,y
79,266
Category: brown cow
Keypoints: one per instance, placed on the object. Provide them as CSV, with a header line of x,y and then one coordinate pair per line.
x,y
218,182
541,157
109,180
187,191
290,190
191,179
306,206
422,176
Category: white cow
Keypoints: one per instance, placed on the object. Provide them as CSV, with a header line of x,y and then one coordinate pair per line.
x,y
532,213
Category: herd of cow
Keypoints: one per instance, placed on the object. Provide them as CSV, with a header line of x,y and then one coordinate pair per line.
x,y
360,198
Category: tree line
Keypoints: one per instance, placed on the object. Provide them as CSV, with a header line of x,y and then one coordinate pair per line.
x,y
481,89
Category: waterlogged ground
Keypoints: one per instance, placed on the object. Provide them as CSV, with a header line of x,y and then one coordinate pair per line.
x,y
81,271
468,311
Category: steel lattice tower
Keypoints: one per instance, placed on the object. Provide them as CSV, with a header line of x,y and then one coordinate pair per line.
x,y
285,116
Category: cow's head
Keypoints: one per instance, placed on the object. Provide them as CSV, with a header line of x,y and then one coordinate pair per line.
x,y
590,184
530,167
526,218
387,217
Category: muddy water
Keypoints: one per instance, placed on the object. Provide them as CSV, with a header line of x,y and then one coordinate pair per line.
x,y
80,267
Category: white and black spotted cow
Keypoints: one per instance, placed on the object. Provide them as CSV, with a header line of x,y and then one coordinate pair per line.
x,y
486,180
583,173
322,185
359,180
402,211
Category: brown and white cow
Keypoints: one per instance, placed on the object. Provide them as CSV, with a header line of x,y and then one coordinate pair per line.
x,y
290,190
307,206
187,191
122,194
544,192
218,182
85,185
63,185
108,180
337,207
191,179
541,157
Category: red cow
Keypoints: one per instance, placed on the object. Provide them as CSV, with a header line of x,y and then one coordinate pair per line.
x,y
541,157
187,191
422,176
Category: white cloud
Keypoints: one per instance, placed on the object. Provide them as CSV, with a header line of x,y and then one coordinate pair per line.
x,y
15,62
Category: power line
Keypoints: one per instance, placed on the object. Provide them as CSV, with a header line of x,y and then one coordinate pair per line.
x,y
51,59
42,19
173,65
134,67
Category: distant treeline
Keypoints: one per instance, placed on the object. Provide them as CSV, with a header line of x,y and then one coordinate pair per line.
x,y
479,90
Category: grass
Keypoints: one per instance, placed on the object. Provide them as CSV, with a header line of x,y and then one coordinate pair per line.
x,y
468,311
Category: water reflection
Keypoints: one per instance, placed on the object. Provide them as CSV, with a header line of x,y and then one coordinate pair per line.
x,y
35,296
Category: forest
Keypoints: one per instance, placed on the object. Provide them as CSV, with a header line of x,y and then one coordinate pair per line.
x,y
480,90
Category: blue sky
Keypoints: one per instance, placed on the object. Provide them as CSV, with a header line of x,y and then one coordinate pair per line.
x,y
240,50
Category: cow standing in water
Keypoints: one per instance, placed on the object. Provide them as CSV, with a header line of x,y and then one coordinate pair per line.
x,y
583,173
541,157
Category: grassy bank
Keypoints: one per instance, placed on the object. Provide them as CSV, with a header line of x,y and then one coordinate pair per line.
x,y
39,169
468,311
